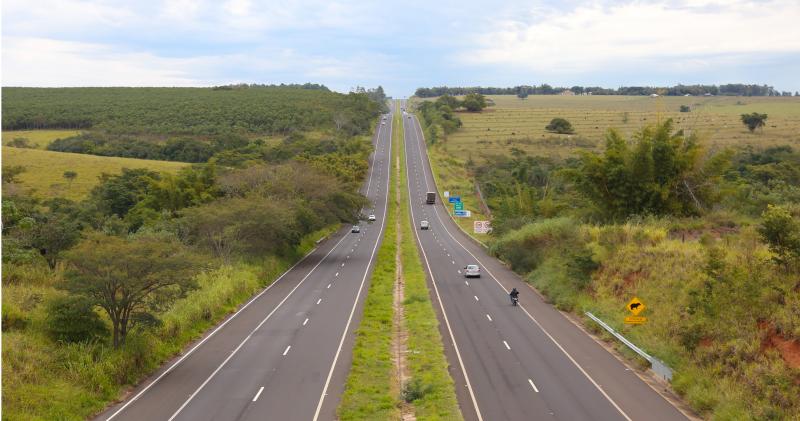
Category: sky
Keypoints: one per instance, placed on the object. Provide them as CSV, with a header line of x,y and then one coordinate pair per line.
x,y
401,45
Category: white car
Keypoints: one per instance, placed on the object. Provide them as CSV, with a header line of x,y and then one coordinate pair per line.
x,y
355,229
423,225
472,271
371,218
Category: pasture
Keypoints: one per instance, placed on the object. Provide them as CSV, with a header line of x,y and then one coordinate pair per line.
x,y
38,139
516,123
44,170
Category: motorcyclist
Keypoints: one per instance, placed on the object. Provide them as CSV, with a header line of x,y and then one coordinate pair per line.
x,y
514,294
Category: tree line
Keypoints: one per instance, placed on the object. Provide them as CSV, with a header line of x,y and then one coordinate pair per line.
x,y
732,89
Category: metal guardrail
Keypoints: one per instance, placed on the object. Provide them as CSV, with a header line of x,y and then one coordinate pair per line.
x,y
658,366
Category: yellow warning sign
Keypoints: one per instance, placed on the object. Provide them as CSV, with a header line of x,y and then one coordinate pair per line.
x,y
635,320
635,306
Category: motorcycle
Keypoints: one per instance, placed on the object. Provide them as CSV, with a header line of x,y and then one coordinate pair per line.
x,y
514,301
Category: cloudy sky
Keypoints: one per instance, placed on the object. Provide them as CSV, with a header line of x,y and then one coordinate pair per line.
x,y
401,45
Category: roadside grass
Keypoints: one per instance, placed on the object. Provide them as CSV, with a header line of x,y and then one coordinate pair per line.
x,y
38,139
46,380
44,170
427,363
371,391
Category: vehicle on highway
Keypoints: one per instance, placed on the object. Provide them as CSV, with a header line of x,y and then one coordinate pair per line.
x,y
430,198
355,229
423,225
514,294
383,123
371,217
472,271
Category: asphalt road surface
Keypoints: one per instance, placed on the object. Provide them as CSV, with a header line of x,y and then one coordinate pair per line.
x,y
513,363
285,355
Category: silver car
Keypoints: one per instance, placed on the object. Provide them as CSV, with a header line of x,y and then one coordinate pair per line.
x,y
472,271
355,229
423,225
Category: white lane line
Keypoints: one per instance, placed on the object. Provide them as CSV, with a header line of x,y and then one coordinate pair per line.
x,y
342,264
476,298
533,386
441,305
506,344
459,271
241,344
454,262
319,301
188,353
489,317
563,350
466,282
348,256
358,294
287,350
255,398
329,286
305,321
337,274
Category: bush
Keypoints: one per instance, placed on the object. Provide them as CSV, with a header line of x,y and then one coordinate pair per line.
x,y
415,389
685,108
560,125
73,319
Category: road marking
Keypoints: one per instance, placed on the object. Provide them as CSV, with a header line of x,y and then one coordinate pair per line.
x,y
255,398
533,386
337,274
358,295
466,282
348,256
476,298
241,344
305,321
188,353
342,264
287,350
444,313
329,285
489,317
459,271
564,351
506,344
319,301
454,262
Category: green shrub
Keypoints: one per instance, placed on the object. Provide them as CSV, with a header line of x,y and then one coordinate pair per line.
x,y
73,319
416,389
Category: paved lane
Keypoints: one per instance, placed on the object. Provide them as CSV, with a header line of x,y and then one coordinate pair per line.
x,y
514,363
285,354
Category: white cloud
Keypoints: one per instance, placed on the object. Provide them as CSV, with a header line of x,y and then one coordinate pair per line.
x,y
680,34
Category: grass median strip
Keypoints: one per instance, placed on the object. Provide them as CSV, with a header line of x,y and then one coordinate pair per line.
x,y
371,391
430,389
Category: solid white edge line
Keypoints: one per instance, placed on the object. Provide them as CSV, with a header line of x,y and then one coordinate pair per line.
x,y
255,398
564,351
361,287
287,350
439,298
533,386
214,373
188,353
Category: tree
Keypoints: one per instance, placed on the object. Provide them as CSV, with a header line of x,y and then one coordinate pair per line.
x,y
70,176
522,94
73,319
474,102
130,278
11,172
754,121
20,142
781,231
53,234
685,108
560,125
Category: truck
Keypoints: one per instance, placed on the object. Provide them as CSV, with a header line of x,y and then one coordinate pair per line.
x,y
431,199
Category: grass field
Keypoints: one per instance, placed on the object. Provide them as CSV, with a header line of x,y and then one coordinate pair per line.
x,y
38,138
44,170
515,123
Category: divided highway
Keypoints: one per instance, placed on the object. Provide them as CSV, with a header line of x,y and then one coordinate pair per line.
x,y
286,353
512,363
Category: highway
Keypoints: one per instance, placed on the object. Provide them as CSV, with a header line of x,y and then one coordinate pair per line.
x,y
513,363
286,353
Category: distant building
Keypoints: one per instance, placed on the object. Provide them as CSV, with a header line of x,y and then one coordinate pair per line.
x,y
567,93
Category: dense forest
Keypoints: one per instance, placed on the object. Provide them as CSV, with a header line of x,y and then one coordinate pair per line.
x,y
243,109
184,249
732,89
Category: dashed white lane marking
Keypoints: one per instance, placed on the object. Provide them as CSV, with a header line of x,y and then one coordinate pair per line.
x,y
255,398
533,386
342,264
287,350
348,257
454,262
466,282
506,344
489,317
476,298
305,321
337,274
319,301
459,271
329,285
